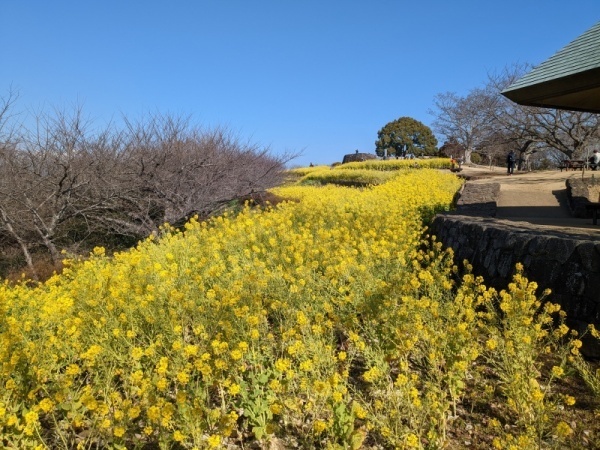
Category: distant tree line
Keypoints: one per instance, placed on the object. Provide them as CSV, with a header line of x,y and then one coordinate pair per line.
x,y
66,184
486,122
487,125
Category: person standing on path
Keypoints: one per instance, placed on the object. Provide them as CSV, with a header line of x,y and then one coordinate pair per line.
x,y
511,159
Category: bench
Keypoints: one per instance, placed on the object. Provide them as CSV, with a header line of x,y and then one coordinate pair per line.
x,y
574,165
594,207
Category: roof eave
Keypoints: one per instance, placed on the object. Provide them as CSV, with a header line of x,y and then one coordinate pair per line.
x,y
578,92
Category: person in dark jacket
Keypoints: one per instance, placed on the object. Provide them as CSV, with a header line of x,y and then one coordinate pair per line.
x,y
511,159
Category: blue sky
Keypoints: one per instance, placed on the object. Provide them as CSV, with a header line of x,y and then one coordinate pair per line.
x,y
317,77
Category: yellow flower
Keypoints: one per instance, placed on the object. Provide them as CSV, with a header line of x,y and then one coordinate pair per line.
x,y
183,377
401,380
557,371
119,431
319,426
137,353
133,412
537,395
162,384
214,441
276,408
236,355
494,423
12,420
45,405
275,385
178,436
359,411
412,440
162,366
306,365
491,344
253,320
221,364
282,364
372,374
153,413
72,369
190,350
31,417
563,429
320,386
137,376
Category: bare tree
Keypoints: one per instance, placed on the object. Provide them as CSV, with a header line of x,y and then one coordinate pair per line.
x,y
48,181
571,132
10,168
64,182
12,211
173,170
464,119
487,122
7,126
534,129
495,147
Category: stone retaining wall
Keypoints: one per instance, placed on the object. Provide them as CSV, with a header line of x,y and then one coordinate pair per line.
x,y
569,265
580,192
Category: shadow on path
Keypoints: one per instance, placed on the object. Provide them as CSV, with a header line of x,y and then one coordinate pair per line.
x,y
531,212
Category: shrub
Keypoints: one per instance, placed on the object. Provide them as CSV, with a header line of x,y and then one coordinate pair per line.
x,y
398,164
476,158
65,184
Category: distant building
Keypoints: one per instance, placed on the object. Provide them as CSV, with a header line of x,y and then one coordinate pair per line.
x,y
358,157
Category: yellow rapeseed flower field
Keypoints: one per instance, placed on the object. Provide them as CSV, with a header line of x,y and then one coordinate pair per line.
x,y
329,321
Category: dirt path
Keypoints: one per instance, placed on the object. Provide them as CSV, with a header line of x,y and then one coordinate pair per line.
x,y
536,197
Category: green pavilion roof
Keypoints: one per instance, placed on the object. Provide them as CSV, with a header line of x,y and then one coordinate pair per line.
x,y
568,80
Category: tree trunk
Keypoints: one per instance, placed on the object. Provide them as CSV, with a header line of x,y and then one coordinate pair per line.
x,y
468,152
29,260
54,253
524,155
22,244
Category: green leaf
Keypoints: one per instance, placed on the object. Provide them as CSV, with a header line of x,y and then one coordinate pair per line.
x,y
259,432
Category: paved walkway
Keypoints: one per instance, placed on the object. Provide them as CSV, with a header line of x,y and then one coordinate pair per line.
x,y
535,198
